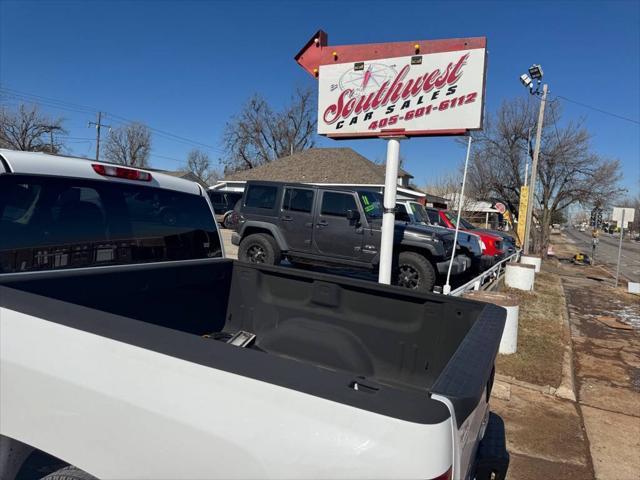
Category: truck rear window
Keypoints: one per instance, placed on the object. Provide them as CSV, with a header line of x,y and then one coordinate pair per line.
x,y
50,222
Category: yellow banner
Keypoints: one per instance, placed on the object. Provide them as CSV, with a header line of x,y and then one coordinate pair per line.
x,y
522,212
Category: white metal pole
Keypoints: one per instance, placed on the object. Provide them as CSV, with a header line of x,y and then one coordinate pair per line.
x,y
389,216
447,287
534,170
620,247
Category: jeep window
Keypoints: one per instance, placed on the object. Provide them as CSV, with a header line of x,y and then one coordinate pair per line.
x,y
261,196
401,213
50,223
217,198
231,199
434,217
298,200
463,223
372,204
337,204
419,213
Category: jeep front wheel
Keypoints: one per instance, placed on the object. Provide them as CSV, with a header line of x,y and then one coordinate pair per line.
x,y
259,248
415,272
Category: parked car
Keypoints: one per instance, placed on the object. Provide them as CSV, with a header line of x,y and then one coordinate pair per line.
x,y
414,213
141,362
223,203
493,248
337,227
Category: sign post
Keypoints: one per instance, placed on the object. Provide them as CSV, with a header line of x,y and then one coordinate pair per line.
x,y
447,287
620,247
394,91
389,216
621,216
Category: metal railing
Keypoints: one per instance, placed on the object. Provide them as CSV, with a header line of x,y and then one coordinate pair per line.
x,y
486,279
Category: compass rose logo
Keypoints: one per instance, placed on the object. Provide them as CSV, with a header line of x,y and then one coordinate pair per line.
x,y
370,78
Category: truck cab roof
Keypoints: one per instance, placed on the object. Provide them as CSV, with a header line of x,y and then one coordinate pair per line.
x,y
38,163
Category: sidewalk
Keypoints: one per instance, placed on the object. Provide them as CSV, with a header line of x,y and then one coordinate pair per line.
x,y
598,436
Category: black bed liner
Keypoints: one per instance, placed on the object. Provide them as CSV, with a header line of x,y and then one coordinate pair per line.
x,y
321,333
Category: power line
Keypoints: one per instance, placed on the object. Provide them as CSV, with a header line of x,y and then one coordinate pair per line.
x,y
164,157
169,135
77,108
599,110
49,99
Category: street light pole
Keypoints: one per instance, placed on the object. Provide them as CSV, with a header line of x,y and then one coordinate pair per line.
x,y
534,170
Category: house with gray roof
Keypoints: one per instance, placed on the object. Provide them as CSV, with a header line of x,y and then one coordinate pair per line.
x,y
323,166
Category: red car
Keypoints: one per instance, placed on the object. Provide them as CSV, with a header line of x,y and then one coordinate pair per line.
x,y
492,245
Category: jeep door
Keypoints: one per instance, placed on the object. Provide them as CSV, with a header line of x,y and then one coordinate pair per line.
x,y
334,234
296,217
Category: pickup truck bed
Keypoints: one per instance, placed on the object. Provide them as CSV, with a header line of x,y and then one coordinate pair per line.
x,y
369,373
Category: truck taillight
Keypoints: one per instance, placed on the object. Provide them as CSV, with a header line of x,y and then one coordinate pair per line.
x,y
121,172
445,476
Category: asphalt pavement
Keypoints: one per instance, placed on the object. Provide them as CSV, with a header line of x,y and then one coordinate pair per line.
x,y
607,252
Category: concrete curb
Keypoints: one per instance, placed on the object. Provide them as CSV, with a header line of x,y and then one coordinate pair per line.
x,y
567,387
504,379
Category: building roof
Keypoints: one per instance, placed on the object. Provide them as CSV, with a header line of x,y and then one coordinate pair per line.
x,y
319,165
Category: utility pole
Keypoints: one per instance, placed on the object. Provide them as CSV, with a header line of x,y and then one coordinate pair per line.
x,y
50,129
534,169
98,125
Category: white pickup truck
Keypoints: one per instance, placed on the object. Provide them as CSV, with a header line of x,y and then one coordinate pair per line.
x,y
131,348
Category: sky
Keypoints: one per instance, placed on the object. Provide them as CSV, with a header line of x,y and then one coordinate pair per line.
x,y
185,67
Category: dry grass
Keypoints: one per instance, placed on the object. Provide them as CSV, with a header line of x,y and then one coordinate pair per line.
x,y
541,339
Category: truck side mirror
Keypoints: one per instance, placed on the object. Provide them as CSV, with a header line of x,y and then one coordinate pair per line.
x,y
353,215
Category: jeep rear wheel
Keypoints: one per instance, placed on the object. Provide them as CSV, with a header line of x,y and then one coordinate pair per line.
x,y
259,248
415,272
228,220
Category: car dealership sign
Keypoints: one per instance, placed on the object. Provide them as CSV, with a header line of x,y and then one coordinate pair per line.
x,y
397,90
416,94
413,88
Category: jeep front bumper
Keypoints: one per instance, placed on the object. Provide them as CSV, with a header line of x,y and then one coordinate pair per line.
x,y
460,264
235,239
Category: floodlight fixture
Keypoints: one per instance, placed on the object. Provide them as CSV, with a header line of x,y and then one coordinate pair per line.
x,y
536,72
526,81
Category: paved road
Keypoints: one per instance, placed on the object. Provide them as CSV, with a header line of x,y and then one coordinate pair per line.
x,y
607,252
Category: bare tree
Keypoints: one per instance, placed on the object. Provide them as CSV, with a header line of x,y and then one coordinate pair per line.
x,y
448,186
258,134
199,164
569,172
382,160
129,145
28,129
